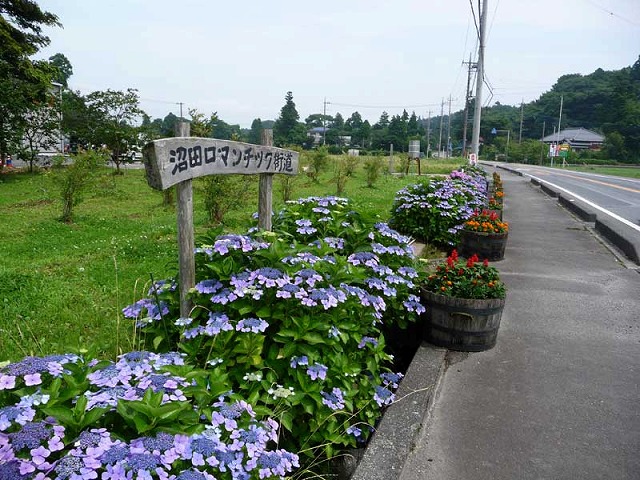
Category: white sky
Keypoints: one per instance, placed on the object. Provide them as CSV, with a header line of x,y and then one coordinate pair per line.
x,y
239,58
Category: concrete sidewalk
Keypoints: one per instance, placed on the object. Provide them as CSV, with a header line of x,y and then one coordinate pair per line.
x,y
558,397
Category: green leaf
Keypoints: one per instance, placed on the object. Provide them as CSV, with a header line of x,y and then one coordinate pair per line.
x,y
93,415
313,338
157,341
62,414
286,419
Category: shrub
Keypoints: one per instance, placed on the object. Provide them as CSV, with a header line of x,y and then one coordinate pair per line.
x,y
74,179
287,182
341,174
372,168
226,192
145,416
435,211
291,321
318,160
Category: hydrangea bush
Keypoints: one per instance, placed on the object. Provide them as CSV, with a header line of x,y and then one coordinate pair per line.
x,y
145,416
435,211
290,321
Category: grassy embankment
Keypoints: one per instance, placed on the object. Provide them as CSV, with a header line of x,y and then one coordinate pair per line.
x,y
62,286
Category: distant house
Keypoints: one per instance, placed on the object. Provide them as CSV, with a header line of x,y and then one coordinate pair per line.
x,y
318,134
577,138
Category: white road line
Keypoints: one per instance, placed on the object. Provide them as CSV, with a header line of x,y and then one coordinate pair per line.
x,y
591,204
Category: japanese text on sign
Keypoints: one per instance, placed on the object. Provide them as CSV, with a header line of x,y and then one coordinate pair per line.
x,y
171,160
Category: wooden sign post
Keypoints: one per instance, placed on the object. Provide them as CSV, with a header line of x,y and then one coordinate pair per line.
x,y
178,160
186,242
265,188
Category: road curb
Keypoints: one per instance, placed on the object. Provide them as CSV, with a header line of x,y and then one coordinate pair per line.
x,y
623,237
398,431
580,209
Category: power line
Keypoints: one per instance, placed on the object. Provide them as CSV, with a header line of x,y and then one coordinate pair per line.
x,y
613,14
473,12
384,106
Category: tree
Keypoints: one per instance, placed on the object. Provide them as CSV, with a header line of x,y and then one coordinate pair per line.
x,y
21,27
222,130
200,126
353,126
40,130
398,133
338,123
22,81
63,69
111,117
284,128
365,131
412,126
383,122
255,134
318,120
75,119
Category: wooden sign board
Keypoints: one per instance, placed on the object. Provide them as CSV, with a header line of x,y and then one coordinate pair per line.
x,y
169,161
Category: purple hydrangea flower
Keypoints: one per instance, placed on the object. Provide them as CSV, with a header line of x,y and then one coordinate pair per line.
x,y
317,370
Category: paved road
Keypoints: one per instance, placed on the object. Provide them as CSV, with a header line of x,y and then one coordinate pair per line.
x,y
618,195
557,398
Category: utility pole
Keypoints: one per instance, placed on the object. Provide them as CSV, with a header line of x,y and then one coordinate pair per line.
x,y
324,116
180,103
521,120
440,137
449,129
466,106
558,131
560,119
428,133
544,124
475,136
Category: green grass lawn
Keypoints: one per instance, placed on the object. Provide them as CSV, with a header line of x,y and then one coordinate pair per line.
x,y
631,172
63,286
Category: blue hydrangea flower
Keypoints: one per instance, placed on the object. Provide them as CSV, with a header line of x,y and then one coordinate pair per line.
x,y
295,361
391,379
367,340
333,400
255,325
217,322
383,396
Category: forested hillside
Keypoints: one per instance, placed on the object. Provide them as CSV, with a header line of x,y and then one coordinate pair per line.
x,y
607,102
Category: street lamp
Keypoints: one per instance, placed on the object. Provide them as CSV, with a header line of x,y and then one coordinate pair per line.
x,y
495,132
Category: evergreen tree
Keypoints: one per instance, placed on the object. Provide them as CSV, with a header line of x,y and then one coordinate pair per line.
x,y
284,130
412,126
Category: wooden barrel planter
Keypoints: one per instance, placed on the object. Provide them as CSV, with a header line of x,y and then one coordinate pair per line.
x,y
466,325
486,245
